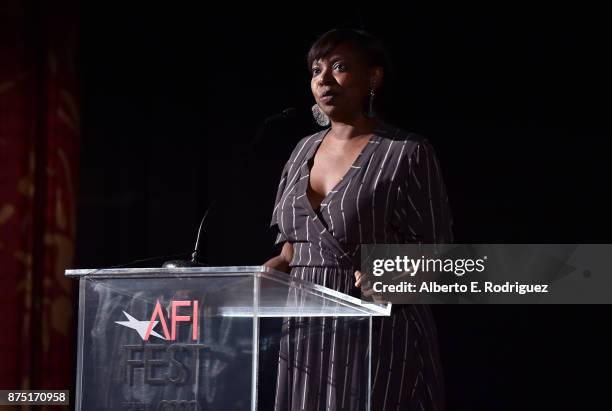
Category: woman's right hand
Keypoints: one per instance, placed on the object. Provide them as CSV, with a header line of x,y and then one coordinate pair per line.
x,y
281,262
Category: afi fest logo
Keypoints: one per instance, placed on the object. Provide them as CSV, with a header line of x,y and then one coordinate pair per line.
x,y
145,328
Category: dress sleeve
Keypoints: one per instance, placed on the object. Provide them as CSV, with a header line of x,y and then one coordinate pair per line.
x,y
422,198
280,237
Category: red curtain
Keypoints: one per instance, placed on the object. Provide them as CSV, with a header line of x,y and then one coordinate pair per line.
x,y
39,136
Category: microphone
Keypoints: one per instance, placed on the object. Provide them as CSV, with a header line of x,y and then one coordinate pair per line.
x,y
288,113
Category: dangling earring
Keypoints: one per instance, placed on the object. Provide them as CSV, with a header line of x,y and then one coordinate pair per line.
x,y
319,116
371,113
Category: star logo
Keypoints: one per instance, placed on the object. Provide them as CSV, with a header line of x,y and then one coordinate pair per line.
x,y
139,326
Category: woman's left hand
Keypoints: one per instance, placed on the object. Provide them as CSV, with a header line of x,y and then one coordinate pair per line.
x,y
358,278
363,279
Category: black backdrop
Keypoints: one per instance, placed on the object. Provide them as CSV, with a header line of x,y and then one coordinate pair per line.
x,y
515,101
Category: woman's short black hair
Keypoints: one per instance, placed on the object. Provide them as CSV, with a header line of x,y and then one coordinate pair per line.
x,y
367,45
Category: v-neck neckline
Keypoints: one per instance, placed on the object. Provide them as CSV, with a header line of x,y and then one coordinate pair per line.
x,y
356,165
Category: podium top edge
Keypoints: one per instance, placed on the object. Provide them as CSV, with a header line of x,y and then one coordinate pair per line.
x,y
369,308
159,271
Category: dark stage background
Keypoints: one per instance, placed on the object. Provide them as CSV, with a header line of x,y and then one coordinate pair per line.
x,y
515,101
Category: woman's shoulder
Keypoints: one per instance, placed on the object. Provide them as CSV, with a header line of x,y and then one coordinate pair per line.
x,y
401,140
304,144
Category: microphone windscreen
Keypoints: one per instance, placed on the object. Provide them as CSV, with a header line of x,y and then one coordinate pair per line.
x,y
289,113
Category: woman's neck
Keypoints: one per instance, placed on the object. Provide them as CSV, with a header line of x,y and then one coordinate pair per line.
x,y
346,130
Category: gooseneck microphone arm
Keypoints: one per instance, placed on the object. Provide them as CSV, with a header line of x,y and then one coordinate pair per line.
x,y
288,113
196,252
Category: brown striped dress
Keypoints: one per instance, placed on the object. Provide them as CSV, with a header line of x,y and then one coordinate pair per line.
x,y
393,193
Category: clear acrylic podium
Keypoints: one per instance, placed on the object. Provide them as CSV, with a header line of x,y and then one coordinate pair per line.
x,y
190,338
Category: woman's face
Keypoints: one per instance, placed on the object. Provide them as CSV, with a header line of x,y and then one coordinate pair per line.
x,y
341,81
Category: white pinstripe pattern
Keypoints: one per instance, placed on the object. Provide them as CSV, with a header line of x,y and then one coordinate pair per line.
x,y
416,324
299,152
296,365
390,372
286,178
399,158
380,170
431,206
300,253
293,211
305,388
416,180
416,383
290,187
357,200
278,373
309,245
289,361
331,219
342,207
321,355
321,249
404,361
322,346
282,216
416,210
399,183
346,365
382,325
332,387
281,184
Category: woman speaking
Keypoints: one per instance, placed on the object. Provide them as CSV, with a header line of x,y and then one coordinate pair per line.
x,y
358,181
